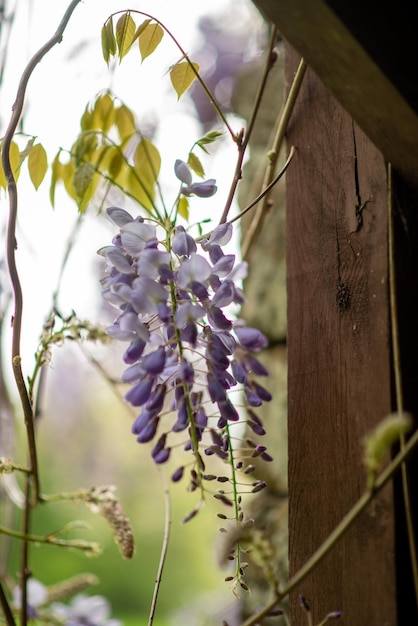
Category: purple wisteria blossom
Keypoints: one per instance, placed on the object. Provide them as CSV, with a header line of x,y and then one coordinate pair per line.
x,y
205,189
185,351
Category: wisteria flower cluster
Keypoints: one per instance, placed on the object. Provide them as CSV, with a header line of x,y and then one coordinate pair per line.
x,y
185,353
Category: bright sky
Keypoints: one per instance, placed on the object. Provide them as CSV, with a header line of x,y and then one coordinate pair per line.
x,y
69,76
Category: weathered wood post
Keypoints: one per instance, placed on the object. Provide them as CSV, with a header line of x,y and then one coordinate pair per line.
x,y
338,356
340,361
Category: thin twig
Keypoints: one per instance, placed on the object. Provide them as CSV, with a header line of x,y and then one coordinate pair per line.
x,y
339,531
274,153
186,57
261,195
17,289
243,143
10,620
11,237
89,547
24,554
265,191
394,324
164,550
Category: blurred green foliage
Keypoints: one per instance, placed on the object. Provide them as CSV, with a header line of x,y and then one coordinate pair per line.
x,y
85,441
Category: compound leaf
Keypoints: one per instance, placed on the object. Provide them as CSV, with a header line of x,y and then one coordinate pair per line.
x,y
149,38
37,164
183,207
125,34
182,75
108,40
195,164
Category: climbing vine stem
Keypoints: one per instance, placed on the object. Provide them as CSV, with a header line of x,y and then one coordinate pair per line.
x,y
340,530
394,323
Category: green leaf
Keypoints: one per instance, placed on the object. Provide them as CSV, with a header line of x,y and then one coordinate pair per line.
x,y
143,176
108,40
15,163
55,177
115,164
210,137
82,178
142,27
125,34
84,147
3,183
25,152
86,121
125,122
85,181
37,164
183,207
182,76
103,112
149,38
196,165
67,175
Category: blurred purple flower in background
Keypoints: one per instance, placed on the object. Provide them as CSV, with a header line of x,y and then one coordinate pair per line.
x,y
85,610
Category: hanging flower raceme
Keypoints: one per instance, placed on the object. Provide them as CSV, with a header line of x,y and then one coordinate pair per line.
x,y
185,353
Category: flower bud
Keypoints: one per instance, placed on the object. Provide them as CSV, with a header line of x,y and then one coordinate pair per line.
x,y
204,190
182,171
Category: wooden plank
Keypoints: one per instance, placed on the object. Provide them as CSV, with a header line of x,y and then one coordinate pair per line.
x,y
368,59
338,356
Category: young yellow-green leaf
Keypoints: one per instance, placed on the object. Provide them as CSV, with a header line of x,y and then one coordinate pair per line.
x,y
89,192
183,207
67,176
37,164
115,164
142,27
147,160
86,122
15,162
103,112
108,40
149,38
210,137
125,34
82,178
25,152
3,183
195,165
182,76
142,177
124,121
56,175
85,181
84,147
140,190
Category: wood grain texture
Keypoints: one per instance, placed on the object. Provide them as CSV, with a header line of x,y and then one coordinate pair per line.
x,y
365,53
339,377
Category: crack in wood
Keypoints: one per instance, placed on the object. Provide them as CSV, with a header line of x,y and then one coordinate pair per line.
x,y
360,205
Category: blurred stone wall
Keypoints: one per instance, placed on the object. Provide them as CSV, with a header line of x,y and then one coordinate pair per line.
x,y
265,308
